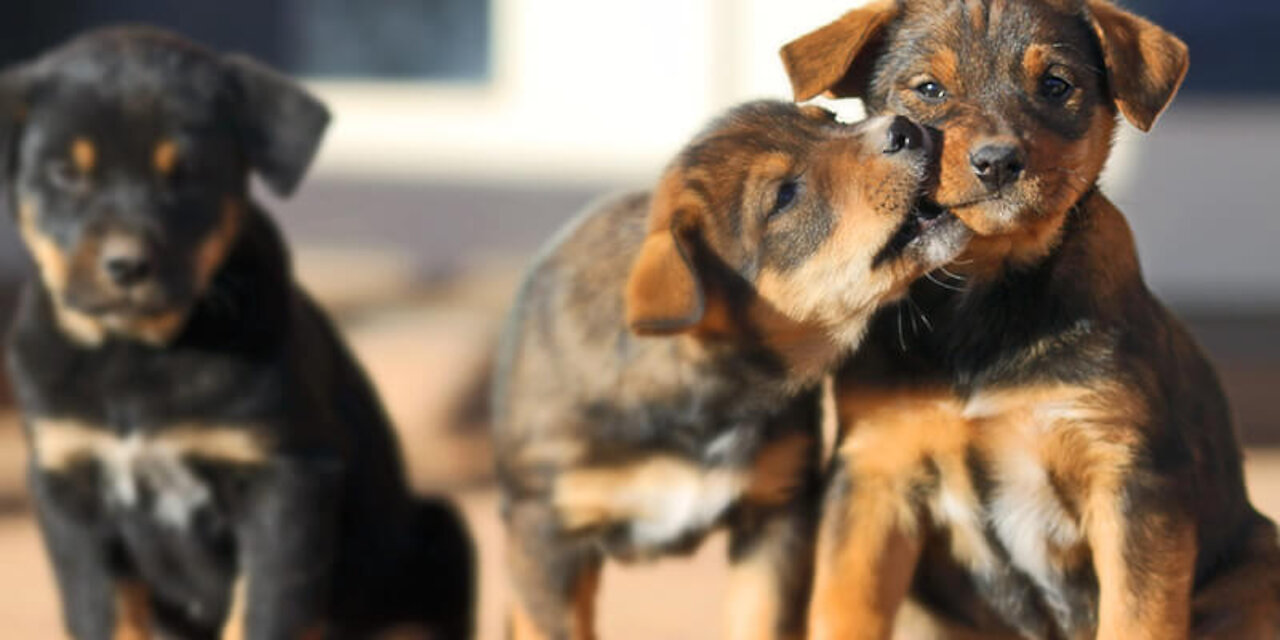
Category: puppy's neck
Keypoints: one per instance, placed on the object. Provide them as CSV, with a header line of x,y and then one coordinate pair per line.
x,y
991,257
1091,278
799,354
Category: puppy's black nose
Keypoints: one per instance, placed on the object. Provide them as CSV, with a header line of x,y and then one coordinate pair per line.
x,y
998,165
903,135
127,271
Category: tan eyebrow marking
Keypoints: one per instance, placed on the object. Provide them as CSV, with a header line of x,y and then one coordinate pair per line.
x,y
83,154
165,157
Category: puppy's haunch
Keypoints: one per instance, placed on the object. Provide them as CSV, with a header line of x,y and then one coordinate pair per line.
x,y
658,376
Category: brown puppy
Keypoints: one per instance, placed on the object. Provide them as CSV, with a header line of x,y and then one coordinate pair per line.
x,y
659,376
1050,455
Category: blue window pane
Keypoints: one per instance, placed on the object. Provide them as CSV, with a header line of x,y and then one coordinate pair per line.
x,y
392,39
1233,49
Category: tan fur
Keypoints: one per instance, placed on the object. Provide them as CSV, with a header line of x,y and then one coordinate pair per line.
x,y
164,157
213,250
1146,64
56,266
721,268
1084,436
753,604
84,155
234,626
778,470
581,622
59,444
819,61
132,612
1061,170
945,67
55,271
597,497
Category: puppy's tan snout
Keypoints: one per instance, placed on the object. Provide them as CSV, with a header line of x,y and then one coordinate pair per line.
x,y
125,260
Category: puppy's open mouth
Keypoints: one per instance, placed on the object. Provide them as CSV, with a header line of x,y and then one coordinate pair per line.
x,y
925,215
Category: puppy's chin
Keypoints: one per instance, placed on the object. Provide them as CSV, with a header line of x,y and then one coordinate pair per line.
x,y
994,216
941,242
143,305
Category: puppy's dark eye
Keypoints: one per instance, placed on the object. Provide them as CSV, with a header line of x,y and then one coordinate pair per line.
x,y
931,91
1055,89
787,192
64,176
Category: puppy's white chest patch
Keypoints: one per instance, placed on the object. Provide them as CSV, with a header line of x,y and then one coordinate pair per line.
x,y
660,500
156,465
1023,509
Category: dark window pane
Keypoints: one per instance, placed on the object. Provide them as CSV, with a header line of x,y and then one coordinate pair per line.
x,y
1233,47
394,39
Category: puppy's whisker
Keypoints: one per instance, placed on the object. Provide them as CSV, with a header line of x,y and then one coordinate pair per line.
x,y
958,278
919,311
902,340
944,285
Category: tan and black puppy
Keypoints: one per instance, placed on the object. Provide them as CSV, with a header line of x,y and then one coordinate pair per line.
x,y
659,376
1050,455
205,452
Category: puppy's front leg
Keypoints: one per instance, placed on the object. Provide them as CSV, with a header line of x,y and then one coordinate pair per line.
x,y
95,604
555,579
772,558
286,553
771,542
1144,558
868,547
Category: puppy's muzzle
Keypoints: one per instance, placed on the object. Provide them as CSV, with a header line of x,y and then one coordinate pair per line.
x,y
125,261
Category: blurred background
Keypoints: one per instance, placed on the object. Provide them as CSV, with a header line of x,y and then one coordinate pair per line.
x,y
466,131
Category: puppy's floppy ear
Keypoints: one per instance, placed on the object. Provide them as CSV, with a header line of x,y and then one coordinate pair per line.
x,y
826,59
664,295
281,124
1145,64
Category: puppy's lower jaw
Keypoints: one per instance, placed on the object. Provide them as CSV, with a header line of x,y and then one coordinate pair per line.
x,y
91,331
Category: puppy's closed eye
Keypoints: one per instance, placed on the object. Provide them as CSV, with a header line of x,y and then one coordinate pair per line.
x,y
786,196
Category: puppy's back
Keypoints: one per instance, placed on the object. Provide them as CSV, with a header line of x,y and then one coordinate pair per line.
x,y
561,337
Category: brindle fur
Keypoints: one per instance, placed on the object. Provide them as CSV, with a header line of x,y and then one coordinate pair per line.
x,y
659,377
207,427
1054,444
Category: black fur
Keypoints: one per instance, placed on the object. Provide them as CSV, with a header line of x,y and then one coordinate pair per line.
x,y
324,530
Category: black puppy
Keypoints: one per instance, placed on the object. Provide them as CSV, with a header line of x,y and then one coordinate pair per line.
x,y
206,453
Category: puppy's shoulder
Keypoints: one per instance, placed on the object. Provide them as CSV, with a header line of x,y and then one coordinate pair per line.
x,y
592,253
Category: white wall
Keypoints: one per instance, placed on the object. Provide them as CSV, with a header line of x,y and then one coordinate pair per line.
x,y
583,91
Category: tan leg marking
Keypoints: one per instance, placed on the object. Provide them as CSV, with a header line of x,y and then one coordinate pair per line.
x,y
84,155
233,628
867,551
164,158
581,615
133,612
